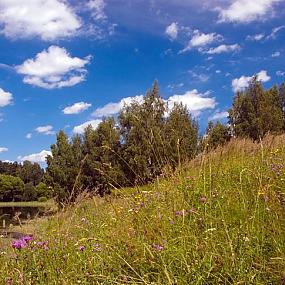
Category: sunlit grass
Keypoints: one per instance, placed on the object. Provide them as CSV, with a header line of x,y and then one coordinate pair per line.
x,y
36,204
219,220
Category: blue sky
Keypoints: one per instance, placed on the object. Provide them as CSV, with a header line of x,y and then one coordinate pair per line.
x,y
66,63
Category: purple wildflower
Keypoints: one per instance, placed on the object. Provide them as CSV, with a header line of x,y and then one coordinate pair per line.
x,y
19,243
180,213
22,242
158,247
28,238
82,248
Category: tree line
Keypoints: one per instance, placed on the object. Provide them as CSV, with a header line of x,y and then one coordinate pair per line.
x,y
148,139
22,182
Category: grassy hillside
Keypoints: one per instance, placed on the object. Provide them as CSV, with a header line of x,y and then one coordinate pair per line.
x,y
220,220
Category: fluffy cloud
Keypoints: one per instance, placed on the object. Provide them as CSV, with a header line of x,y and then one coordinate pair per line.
x,y
219,116
76,108
54,68
200,40
223,48
47,19
6,98
193,100
97,8
36,157
3,149
45,130
244,11
80,129
114,108
241,83
172,31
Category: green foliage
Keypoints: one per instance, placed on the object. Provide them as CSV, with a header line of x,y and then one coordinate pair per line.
x,y
63,167
142,135
101,167
30,172
216,135
11,188
255,112
180,136
29,192
42,190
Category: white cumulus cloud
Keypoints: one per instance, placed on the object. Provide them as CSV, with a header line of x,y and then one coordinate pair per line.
x,y
36,157
193,100
76,108
54,68
241,83
47,19
114,108
224,48
200,40
172,31
3,149
45,130
6,98
80,129
245,11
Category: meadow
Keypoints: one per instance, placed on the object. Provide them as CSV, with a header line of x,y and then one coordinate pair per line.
x,y
219,219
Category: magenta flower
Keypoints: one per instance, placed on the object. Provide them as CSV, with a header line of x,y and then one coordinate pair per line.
x,y
22,242
19,244
82,248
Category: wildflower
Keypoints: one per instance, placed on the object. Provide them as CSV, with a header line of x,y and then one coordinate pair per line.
x,y
203,199
22,242
19,243
82,248
43,245
158,247
180,213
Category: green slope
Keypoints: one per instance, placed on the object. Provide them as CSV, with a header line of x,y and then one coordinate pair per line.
x,y
220,220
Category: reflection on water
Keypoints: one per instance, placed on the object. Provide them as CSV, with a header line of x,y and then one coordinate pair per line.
x,y
19,215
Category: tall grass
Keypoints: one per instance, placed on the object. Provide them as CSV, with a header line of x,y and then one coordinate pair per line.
x,y
218,220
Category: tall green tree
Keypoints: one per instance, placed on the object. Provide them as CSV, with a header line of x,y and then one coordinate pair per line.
x,y
101,148
142,135
256,112
63,168
180,136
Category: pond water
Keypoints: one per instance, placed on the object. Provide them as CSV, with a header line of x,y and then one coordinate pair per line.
x,y
19,215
